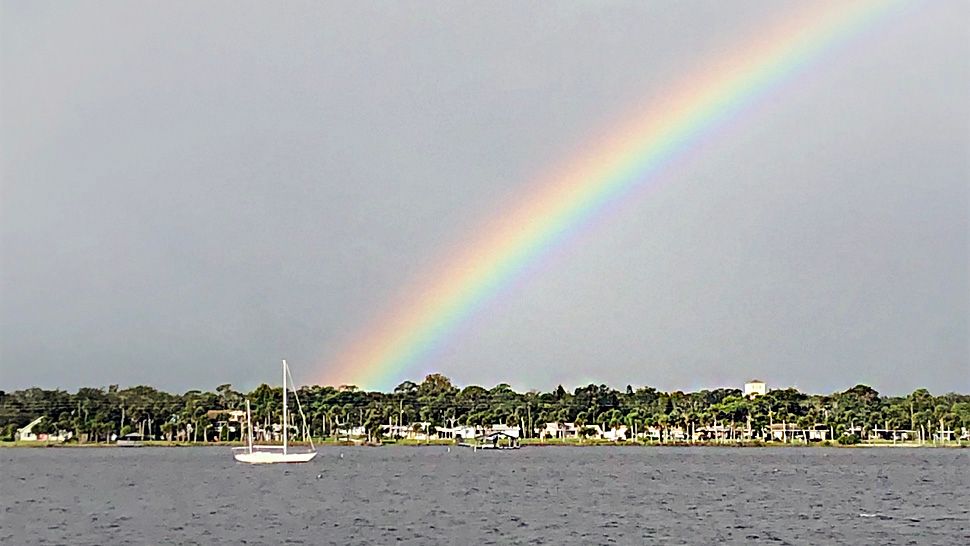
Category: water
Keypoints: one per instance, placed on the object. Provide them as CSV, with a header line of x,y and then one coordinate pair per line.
x,y
430,495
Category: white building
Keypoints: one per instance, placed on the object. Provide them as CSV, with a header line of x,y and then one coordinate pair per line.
x,y
790,432
456,433
615,434
26,434
655,434
571,430
409,432
558,430
755,387
351,432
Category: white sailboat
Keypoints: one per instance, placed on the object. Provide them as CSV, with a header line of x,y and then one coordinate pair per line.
x,y
253,454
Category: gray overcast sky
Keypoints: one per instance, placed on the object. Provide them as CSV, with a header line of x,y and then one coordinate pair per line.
x,y
192,190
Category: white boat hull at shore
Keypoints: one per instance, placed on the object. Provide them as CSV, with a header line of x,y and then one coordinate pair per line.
x,y
488,446
130,440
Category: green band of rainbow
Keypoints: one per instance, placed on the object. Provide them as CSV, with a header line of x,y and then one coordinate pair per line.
x,y
629,158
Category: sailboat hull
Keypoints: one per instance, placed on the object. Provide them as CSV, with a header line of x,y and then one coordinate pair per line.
x,y
270,457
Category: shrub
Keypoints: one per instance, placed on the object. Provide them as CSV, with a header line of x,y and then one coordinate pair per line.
x,y
848,439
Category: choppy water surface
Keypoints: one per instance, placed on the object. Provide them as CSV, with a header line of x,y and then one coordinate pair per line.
x,y
432,495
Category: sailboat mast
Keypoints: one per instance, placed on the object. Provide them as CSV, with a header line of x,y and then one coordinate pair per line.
x,y
284,408
249,422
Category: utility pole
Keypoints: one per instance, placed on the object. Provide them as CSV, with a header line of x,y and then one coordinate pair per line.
x,y
528,408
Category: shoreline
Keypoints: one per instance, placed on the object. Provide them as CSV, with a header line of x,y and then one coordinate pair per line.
x,y
526,444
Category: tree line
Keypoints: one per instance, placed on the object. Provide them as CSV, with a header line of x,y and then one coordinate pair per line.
x,y
96,414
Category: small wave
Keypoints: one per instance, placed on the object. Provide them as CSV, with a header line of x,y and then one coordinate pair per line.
x,y
878,516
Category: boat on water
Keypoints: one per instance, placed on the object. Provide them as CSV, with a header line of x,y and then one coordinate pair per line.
x,y
495,440
131,440
268,454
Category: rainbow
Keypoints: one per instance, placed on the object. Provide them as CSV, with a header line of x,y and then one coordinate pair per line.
x,y
628,158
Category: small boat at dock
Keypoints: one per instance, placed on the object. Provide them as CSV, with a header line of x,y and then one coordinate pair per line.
x,y
495,440
131,440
